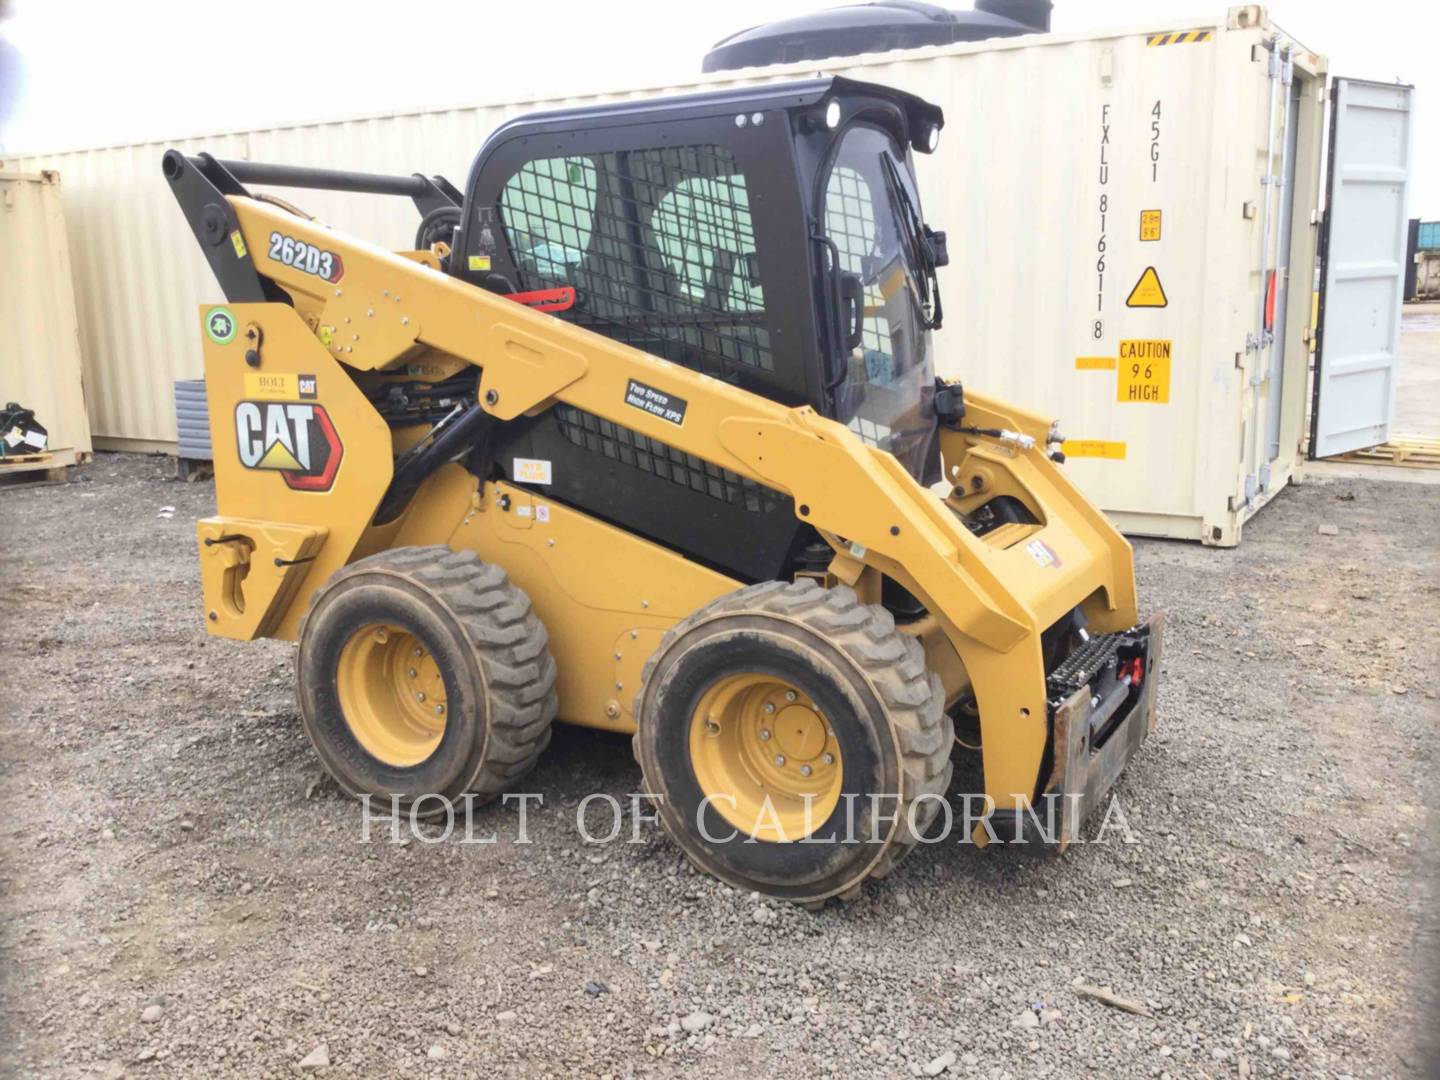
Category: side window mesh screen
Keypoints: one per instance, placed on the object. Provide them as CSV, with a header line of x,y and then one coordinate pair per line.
x,y
660,247
549,207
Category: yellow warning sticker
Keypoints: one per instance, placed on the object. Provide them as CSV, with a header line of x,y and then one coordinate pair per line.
x,y
533,471
1094,363
1097,448
1149,224
1177,37
479,262
277,387
239,244
1148,291
1144,372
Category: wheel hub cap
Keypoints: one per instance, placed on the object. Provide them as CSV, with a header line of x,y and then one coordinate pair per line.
x,y
392,694
766,757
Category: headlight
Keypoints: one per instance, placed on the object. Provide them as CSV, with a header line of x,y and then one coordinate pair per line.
x,y
933,140
832,115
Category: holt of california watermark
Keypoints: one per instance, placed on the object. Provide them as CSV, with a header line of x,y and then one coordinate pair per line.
x,y
603,818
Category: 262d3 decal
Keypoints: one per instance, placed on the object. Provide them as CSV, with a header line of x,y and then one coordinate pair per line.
x,y
308,258
298,441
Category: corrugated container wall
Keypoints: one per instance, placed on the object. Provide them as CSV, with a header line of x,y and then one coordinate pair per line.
x,y
1070,166
140,277
1105,203
40,364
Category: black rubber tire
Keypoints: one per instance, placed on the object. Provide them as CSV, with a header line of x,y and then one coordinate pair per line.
x,y
871,682
492,653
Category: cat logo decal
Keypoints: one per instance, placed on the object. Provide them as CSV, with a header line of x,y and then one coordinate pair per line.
x,y
297,440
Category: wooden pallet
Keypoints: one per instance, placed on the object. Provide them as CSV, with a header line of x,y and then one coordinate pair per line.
x,y
1408,451
34,468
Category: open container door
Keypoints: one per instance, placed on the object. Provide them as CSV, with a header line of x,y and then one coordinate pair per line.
x,y
1362,266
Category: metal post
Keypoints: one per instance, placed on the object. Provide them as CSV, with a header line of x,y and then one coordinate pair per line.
x,y
1282,288
1256,341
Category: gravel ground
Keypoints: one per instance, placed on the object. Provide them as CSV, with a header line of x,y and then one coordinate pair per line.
x,y
185,895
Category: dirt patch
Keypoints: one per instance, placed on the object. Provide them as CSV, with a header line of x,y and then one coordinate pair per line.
x,y
170,847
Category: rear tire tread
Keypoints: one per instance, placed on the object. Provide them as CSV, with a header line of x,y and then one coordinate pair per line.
x,y
509,641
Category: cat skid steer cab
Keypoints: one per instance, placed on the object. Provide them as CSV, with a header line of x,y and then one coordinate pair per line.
x,y
644,435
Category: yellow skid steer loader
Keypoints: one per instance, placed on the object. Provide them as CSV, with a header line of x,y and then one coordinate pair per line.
x,y
644,435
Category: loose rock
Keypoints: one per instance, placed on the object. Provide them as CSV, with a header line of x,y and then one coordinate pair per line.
x,y
696,1022
318,1058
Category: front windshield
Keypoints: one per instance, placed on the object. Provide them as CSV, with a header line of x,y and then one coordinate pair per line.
x,y
889,373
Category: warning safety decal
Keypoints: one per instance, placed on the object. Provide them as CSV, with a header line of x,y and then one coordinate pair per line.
x,y
1148,291
1043,554
1144,372
1096,448
533,471
1178,37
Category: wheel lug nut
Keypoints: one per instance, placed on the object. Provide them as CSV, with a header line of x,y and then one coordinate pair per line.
x,y
439,710
420,696
779,759
769,706
805,770
418,651
789,695
413,673
765,734
712,727
828,759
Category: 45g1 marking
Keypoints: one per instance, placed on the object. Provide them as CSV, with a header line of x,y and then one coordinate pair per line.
x,y
307,258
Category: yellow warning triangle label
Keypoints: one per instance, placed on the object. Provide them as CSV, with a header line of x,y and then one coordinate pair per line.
x,y
277,457
1148,291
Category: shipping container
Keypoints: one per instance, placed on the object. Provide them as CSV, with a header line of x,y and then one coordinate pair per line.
x,y
40,362
1427,275
1118,257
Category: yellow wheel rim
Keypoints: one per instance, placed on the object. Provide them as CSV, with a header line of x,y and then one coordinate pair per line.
x,y
392,694
766,757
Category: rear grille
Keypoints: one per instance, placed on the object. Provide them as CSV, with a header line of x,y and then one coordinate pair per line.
x,y
649,455
1081,666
